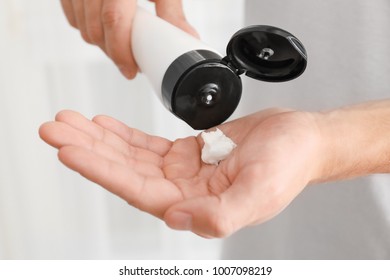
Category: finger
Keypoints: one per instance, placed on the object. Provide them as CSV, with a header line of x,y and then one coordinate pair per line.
x,y
78,8
79,122
150,194
67,7
135,137
59,134
117,16
172,11
95,131
223,214
94,26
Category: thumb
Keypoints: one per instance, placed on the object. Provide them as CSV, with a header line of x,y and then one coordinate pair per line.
x,y
205,216
172,11
215,216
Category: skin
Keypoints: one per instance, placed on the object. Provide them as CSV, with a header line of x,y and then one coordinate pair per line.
x,y
107,24
279,152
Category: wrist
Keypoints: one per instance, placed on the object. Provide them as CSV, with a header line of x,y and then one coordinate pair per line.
x,y
354,141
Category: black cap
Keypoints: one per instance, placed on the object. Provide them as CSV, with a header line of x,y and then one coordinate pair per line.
x,y
204,89
200,89
267,53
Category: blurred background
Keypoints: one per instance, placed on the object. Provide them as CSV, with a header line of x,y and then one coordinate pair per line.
x,y
46,210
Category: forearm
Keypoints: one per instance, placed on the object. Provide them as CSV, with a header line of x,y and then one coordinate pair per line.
x,y
356,141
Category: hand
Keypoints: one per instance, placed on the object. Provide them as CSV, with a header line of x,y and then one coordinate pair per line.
x,y
277,155
107,24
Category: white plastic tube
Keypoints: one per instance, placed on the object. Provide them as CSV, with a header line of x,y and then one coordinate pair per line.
x,y
157,43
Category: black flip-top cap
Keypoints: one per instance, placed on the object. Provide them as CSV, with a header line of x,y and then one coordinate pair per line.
x,y
267,53
203,89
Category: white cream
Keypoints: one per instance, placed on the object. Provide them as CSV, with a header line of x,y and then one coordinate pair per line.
x,y
217,146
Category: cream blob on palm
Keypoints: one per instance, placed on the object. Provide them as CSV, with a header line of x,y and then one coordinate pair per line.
x,y
217,146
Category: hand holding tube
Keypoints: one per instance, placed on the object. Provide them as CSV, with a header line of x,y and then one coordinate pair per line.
x,y
108,23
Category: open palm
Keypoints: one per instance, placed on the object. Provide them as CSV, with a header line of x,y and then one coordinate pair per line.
x,y
168,179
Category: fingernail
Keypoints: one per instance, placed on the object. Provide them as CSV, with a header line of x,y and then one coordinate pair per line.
x,y
180,221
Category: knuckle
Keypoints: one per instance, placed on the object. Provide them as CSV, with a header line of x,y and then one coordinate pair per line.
x,y
111,16
85,36
73,23
95,33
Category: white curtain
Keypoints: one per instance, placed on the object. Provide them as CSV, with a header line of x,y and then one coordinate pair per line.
x,y
46,210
